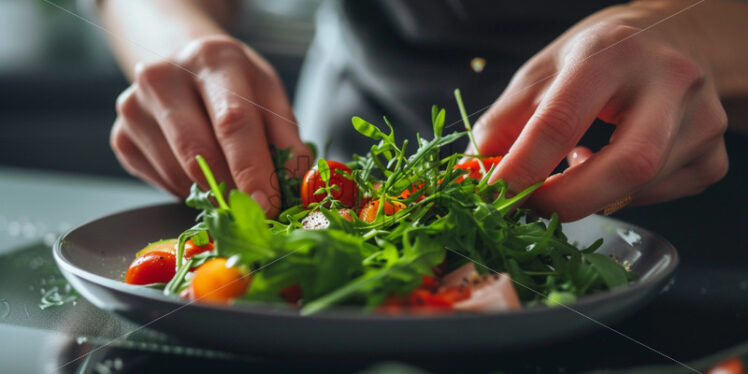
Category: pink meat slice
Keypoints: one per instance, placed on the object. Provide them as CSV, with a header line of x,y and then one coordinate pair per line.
x,y
488,292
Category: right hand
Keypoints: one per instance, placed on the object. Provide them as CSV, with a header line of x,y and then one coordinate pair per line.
x,y
216,98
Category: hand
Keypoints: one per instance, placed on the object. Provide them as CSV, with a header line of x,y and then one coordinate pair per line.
x,y
668,142
216,98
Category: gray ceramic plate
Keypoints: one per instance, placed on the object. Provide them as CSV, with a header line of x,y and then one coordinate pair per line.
x,y
95,256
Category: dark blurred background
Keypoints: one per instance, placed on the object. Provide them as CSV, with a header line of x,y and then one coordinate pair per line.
x,y
59,81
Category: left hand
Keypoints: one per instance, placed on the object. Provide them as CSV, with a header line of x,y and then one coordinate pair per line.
x,y
652,84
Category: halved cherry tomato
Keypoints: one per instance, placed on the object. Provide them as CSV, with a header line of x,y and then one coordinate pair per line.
x,y
473,167
214,282
152,267
369,212
345,193
426,298
190,249
732,365
413,189
292,293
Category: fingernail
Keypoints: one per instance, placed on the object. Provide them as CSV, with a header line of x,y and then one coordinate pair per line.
x,y
576,158
261,198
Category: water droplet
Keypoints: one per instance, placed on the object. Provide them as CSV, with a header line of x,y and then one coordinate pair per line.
x,y
81,339
743,285
702,291
4,308
118,364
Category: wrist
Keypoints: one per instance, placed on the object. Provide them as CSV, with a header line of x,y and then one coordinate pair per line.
x,y
710,33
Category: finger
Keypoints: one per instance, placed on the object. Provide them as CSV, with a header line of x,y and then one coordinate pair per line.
x,y
239,129
704,125
132,159
280,123
578,155
143,130
568,109
691,180
635,156
174,103
499,126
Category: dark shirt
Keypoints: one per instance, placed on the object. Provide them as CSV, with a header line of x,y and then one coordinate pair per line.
x,y
397,58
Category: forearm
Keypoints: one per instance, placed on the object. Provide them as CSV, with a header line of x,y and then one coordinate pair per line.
x,y
147,30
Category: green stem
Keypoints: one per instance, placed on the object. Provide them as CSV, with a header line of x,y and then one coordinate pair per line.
x,y
466,121
211,181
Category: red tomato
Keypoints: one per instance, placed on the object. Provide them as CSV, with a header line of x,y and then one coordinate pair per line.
x,y
413,189
369,212
729,366
190,249
292,294
152,267
473,167
425,299
345,193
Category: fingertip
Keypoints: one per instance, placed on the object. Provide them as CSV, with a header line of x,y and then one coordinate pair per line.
x,y
261,198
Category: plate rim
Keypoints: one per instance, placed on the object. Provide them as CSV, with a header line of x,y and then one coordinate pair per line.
x,y
355,314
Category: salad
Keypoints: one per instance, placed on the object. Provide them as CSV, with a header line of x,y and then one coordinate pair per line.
x,y
397,230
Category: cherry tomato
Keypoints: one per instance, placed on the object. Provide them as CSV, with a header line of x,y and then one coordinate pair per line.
x,y
190,249
292,294
732,365
152,267
345,193
214,282
413,189
426,298
473,167
369,212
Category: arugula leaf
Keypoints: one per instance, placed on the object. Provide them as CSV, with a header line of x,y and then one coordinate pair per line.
x,y
613,275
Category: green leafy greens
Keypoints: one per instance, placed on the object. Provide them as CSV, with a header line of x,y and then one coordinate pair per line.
x,y
354,262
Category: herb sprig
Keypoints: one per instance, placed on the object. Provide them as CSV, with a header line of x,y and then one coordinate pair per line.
x,y
363,263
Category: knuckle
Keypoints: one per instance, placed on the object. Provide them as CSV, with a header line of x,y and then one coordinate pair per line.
x,y
642,163
719,121
603,35
557,122
716,170
154,74
681,69
212,51
127,103
230,120
119,142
